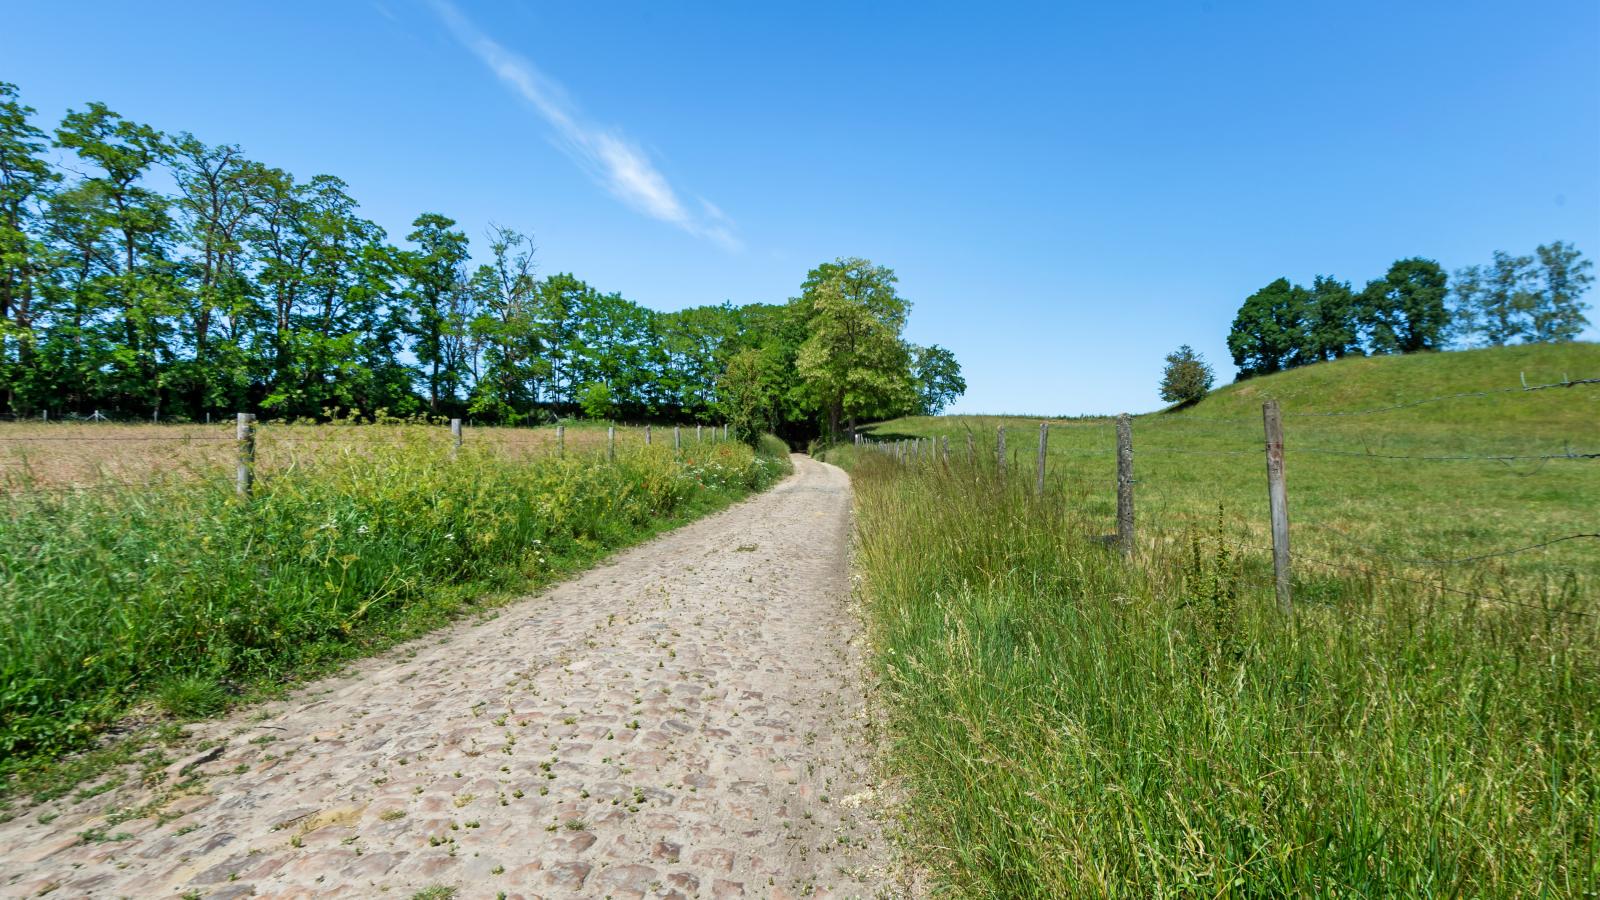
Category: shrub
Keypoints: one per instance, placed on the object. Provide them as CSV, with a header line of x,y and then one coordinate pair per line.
x,y
1187,377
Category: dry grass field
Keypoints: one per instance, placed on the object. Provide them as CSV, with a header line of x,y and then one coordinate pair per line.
x,y
40,457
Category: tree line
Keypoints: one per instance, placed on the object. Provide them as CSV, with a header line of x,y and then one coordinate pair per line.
x,y
1413,307
155,274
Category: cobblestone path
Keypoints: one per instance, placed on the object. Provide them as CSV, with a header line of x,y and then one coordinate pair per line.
x,y
685,721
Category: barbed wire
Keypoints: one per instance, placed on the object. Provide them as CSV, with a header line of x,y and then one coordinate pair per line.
x,y
1325,451
1451,561
1444,588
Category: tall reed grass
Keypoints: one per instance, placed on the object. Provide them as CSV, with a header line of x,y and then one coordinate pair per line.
x,y
182,594
1066,723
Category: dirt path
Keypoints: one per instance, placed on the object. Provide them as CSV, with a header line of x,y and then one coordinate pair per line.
x,y
684,721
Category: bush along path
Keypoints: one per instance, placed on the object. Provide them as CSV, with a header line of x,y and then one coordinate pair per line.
x,y
683,721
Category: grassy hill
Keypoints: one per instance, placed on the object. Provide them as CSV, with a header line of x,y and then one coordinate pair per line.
x,y
1351,501
1064,722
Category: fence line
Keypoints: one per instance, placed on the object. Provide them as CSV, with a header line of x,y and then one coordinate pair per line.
x,y
1276,452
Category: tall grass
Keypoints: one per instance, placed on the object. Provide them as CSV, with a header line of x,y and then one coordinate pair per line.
x,y
111,598
1069,724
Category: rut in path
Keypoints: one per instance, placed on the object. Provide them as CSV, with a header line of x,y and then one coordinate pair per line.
x,y
684,721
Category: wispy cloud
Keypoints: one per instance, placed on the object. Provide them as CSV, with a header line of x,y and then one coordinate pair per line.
x,y
617,163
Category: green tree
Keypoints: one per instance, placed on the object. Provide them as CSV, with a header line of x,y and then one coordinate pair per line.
x,y
1404,311
1495,302
435,281
142,284
1268,331
853,357
26,181
1564,277
1187,376
938,379
508,329
1330,327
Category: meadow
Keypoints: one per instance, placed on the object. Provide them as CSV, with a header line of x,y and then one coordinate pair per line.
x,y
135,585
1064,721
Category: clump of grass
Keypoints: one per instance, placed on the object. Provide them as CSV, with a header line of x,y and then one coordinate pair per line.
x,y
111,597
190,696
1070,724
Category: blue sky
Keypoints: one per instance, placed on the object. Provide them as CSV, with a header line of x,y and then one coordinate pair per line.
x,y
1067,191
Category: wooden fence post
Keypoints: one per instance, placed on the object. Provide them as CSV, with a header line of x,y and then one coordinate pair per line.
x,y
1044,444
724,430
455,438
611,443
697,433
647,435
677,438
1125,483
244,477
561,440
1278,501
1000,449
945,441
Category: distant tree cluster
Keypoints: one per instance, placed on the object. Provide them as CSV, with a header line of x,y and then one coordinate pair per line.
x,y
245,288
1410,309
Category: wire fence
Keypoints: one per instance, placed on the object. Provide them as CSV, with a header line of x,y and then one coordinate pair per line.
x,y
1351,555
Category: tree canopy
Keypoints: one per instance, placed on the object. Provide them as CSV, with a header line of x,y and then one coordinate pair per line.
x,y
156,274
1413,308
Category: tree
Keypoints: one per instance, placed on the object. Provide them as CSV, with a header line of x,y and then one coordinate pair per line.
x,y
141,283
745,396
853,356
1558,314
1404,311
434,273
1495,301
938,379
1329,329
1187,377
508,329
1268,332
25,184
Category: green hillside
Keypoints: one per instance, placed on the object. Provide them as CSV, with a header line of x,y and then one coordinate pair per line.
x,y
1352,503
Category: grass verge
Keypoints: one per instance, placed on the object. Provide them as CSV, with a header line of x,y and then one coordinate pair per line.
x,y
1068,724
183,600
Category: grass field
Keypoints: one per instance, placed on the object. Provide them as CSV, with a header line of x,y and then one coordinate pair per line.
x,y
43,456
1067,723
178,598
1350,503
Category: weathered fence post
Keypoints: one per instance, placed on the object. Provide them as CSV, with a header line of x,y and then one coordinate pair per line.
x,y
1278,501
1000,449
611,443
561,440
1125,483
697,433
1044,444
677,438
244,477
455,438
724,430
945,441
647,435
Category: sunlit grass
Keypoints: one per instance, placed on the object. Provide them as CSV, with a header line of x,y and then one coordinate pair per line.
x,y
180,593
1067,722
